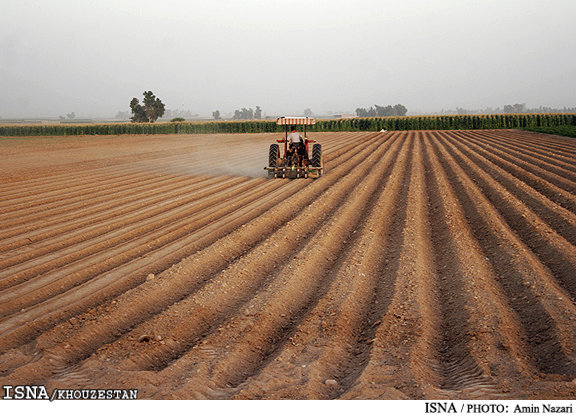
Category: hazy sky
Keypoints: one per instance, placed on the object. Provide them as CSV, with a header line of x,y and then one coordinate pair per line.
x,y
92,57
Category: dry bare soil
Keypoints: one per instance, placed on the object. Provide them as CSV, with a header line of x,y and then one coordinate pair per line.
x,y
421,265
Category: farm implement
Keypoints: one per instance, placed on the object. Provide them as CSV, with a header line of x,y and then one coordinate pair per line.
x,y
297,161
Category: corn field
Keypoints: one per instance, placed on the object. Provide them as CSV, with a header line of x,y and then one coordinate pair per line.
x,y
441,122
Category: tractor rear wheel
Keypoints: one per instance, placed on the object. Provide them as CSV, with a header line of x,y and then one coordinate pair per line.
x,y
273,155
316,155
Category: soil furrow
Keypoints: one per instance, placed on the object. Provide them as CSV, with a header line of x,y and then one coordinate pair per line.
x,y
113,189
47,227
366,296
530,289
469,339
302,338
535,166
556,187
540,140
560,219
559,196
522,140
91,183
80,264
398,357
91,238
554,251
563,166
250,273
309,277
421,265
226,249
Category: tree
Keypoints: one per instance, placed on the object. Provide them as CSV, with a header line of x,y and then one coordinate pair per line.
x,y
380,111
244,114
216,115
515,109
400,109
258,113
308,112
71,116
138,114
519,108
152,109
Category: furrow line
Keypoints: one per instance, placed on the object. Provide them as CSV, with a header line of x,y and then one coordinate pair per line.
x,y
468,338
544,145
532,165
397,356
237,284
49,223
201,358
558,195
560,219
222,245
542,140
116,224
85,179
70,240
550,161
79,263
554,251
42,202
309,277
541,306
365,294
108,164
113,277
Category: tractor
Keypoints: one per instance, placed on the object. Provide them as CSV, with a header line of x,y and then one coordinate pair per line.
x,y
295,163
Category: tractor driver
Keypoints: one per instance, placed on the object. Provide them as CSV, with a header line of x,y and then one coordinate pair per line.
x,y
295,140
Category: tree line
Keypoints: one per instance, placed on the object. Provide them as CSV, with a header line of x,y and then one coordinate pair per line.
x,y
380,111
515,109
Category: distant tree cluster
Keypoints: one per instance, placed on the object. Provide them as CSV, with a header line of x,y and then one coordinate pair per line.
x,y
179,114
70,116
380,111
216,115
515,109
248,114
152,109
512,109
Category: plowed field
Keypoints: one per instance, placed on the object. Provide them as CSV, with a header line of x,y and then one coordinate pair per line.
x,y
426,264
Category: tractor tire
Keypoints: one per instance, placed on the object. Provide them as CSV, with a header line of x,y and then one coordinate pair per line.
x,y
316,155
273,155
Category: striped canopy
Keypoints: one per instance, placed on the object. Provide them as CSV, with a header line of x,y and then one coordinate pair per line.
x,y
295,121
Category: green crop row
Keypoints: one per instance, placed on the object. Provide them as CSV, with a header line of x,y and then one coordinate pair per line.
x,y
440,122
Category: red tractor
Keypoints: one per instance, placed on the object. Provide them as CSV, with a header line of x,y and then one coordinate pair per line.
x,y
297,162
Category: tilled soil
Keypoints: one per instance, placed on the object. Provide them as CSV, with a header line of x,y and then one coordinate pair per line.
x,y
425,264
